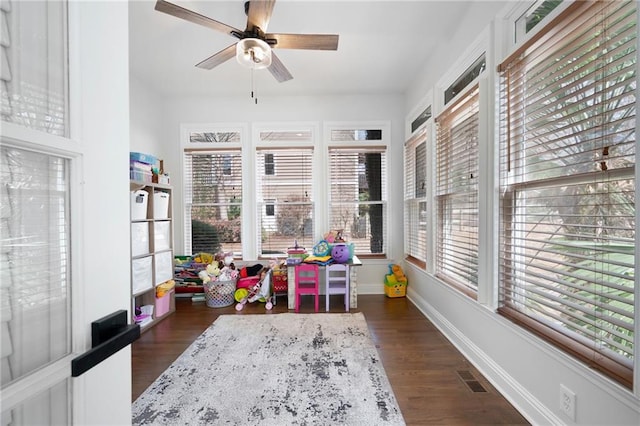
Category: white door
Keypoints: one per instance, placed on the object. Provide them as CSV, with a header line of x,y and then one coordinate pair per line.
x,y
64,212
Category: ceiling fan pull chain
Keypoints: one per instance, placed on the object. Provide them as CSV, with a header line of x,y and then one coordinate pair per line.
x,y
253,90
251,71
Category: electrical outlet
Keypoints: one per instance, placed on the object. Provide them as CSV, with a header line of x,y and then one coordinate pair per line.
x,y
568,402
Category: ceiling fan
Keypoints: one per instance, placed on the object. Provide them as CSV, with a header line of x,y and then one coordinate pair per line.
x,y
254,48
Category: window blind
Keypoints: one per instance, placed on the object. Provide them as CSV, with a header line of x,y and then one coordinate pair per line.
x,y
35,225
567,160
34,37
285,198
457,192
415,198
358,196
213,201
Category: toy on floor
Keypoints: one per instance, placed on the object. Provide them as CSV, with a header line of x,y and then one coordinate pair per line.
x,y
397,272
259,291
395,282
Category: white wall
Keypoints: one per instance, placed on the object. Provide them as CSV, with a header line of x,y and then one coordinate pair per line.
x,y
156,129
146,115
525,369
478,15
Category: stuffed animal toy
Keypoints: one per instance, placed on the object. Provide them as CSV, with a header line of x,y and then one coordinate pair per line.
x,y
228,274
211,272
334,236
204,276
397,272
203,258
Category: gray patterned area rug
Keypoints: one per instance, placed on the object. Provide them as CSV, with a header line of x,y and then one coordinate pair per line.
x,y
277,369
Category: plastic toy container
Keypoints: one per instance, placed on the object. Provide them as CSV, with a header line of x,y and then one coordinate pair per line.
x,y
394,289
141,157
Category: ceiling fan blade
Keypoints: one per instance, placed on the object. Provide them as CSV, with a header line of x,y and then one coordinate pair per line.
x,y
303,41
278,70
218,58
191,16
259,14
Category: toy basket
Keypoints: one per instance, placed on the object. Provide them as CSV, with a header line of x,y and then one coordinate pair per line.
x,y
219,294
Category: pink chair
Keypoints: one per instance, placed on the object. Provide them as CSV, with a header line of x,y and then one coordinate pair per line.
x,y
307,282
337,279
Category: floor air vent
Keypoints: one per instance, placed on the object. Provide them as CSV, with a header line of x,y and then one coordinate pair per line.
x,y
471,382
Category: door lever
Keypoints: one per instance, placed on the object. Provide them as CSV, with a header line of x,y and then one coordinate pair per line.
x,y
109,334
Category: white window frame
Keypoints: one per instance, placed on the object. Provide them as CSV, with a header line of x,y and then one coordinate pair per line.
x,y
303,128
186,130
511,15
412,200
385,128
484,43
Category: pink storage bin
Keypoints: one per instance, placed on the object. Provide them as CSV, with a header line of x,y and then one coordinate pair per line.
x,y
163,304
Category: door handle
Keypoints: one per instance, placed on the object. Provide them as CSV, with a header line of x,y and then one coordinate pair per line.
x,y
109,334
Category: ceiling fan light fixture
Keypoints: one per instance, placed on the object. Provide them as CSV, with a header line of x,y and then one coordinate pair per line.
x,y
253,53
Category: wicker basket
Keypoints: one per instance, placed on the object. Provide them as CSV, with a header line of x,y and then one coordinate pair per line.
x,y
219,294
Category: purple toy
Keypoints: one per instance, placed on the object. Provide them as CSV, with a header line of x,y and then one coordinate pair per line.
x,y
340,253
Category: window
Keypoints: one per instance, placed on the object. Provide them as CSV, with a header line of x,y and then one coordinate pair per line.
x,y
288,196
567,160
36,226
269,165
465,79
269,207
457,192
34,35
227,164
421,119
534,16
213,137
358,185
415,198
213,201
37,327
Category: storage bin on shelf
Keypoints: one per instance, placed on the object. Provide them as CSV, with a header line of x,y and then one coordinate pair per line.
x,y
219,294
142,274
141,166
160,205
139,238
140,175
163,304
142,157
139,201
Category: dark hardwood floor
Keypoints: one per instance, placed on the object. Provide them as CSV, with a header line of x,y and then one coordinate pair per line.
x,y
433,383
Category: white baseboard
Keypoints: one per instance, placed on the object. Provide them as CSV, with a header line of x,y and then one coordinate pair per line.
x,y
529,406
364,288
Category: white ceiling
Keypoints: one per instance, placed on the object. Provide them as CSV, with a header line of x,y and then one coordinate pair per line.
x,y
382,46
